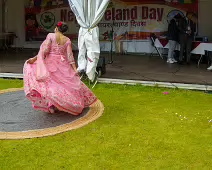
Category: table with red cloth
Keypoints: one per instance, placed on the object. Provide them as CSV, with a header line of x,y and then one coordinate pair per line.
x,y
198,47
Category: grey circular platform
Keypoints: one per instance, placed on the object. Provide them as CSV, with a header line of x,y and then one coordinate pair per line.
x,y
17,115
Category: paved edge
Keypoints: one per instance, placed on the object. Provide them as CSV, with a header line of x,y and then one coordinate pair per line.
x,y
186,86
96,110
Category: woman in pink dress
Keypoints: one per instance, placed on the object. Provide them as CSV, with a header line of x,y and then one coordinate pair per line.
x,y
51,81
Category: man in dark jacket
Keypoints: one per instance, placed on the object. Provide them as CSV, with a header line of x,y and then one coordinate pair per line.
x,y
173,40
186,36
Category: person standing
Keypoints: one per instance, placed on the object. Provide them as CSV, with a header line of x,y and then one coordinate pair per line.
x,y
191,30
186,36
51,80
173,40
210,60
182,26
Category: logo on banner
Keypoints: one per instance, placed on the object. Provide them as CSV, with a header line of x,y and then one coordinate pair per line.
x,y
47,20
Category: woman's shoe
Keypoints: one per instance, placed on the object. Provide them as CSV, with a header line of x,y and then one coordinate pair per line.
x,y
51,109
170,61
209,68
175,61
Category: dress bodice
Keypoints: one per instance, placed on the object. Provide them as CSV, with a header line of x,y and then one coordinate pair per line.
x,y
56,53
55,48
58,49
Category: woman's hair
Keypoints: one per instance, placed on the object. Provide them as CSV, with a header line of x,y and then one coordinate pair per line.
x,y
62,27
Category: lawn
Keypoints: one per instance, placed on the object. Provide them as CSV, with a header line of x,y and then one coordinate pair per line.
x,y
142,128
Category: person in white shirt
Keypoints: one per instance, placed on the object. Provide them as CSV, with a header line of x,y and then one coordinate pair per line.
x,y
173,40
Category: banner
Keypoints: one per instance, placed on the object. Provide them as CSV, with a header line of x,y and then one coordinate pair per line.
x,y
123,20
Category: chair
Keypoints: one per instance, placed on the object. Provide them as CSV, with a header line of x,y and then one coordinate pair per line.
x,y
153,37
7,39
205,40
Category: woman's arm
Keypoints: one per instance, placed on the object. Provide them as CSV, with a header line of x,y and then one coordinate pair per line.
x,y
46,45
74,67
70,57
44,49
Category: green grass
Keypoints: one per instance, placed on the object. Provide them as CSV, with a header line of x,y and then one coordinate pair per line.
x,y
6,84
141,129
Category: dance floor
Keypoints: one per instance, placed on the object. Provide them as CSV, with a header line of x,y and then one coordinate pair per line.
x,y
19,120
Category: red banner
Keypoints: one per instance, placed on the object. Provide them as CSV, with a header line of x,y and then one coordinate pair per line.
x,y
130,19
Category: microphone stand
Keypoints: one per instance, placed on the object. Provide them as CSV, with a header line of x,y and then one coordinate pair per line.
x,y
111,45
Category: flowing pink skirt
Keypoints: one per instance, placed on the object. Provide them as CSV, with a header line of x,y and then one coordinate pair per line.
x,y
63,89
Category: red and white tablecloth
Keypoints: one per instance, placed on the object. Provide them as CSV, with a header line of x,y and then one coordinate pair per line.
x,y
164,43
202,48
197,46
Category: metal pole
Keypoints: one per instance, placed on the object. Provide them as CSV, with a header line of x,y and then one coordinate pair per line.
x,y
111,46
3,15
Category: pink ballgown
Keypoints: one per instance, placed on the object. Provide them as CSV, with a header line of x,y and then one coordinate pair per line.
x,y
51,80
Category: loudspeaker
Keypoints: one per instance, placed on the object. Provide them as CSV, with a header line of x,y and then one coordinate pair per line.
x,y
101,66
